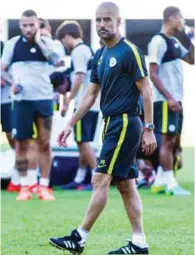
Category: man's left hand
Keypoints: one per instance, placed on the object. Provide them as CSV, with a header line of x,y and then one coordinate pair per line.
x,y
38,36
149,144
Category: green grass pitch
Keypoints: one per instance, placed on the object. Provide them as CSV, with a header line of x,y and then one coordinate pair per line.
x,y
168,221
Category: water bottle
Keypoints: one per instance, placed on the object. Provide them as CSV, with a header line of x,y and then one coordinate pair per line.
x,y
19,88
18,94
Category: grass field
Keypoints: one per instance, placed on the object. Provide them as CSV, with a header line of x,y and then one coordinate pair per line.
x,y
26,226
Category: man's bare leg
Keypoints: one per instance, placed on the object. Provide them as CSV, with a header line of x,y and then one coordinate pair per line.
x,y
133,207
88,154
44,126
33,162
101,185
10,139
132,203
22,166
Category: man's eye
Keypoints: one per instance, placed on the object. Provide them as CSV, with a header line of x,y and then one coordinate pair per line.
x,y
106,19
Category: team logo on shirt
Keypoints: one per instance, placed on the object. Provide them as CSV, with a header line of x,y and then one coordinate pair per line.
x,y
112,62
172,128
176,45
14,132
33,50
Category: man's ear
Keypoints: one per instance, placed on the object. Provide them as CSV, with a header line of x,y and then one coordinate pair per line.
x,y
39,23
118,22
20,25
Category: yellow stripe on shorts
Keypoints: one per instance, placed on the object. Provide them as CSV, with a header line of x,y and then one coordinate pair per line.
x,y
120,142
105,128
78,131
35,133
137,56
164,117
55,107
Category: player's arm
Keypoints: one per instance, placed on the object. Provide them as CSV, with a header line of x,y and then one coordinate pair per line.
x,y
65,103
48,49
144,87
87,101
154,76
137,67
173,104
80,63
156,50
189,57
6,79
148,140
186,47
78,80
6,62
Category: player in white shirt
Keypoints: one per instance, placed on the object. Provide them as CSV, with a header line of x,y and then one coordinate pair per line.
x,y
70,34
29,58
165,57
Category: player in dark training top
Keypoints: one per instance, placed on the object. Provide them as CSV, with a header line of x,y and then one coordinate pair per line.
x,y
118,71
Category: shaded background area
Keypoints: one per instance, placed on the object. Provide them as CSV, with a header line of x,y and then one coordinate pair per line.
x,y
141,31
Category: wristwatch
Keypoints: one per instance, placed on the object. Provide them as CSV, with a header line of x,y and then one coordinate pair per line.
x,y
149,126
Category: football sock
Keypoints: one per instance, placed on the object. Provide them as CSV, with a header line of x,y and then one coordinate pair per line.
x,y
92,171
159,177
83,233
80,175
44,182
32,175
139,239
169,179
15,179
24,180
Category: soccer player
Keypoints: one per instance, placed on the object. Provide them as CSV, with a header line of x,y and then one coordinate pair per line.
x,y
71,34
119,72
6,108
29,57
165,56
6,123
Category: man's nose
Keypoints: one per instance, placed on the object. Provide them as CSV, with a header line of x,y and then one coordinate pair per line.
x,y
28,29
102,25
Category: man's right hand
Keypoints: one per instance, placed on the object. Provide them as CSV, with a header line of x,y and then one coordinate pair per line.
x,y
16,88
174,105
3,83
62,138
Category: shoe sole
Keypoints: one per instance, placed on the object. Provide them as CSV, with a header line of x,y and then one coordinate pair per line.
x,y
43,199
62,249
159,190
27,199
169,193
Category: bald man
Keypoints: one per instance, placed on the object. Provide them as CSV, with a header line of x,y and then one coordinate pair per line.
x,y
119,72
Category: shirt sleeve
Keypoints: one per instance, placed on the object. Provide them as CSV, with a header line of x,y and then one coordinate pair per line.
x,y
60,49
8,52
135,62
80,58
54,46
94,71
156,49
